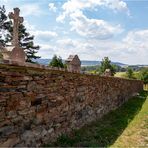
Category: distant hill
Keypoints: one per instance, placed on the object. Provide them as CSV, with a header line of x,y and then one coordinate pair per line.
x,y
83,62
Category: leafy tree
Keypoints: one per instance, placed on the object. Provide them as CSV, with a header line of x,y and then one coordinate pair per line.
x,y
129,73
26,40
117,67
106,64
56,62
144,75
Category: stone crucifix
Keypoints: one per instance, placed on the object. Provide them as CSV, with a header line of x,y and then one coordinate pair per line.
x,y
17,20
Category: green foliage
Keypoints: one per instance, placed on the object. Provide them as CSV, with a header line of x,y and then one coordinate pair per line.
x,y
106,64
96,68
4,26
56,62
26,40
118,68
144,75
65,65
90,68
27,43
129,73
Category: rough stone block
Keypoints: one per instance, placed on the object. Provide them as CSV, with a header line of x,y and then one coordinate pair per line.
x,y
6,130
11,142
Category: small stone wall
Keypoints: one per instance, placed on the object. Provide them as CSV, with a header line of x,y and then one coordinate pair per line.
x,y
37,105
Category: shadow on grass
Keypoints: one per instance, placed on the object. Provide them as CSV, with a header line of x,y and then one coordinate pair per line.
x,y
105,131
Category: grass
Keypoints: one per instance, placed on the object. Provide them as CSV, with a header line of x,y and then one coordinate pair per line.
x,y
126,126
145,87
136,134
123,75
120,74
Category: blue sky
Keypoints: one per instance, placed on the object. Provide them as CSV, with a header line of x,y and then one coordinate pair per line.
x,y
92,29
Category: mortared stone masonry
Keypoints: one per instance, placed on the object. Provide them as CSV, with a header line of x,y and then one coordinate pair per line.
x,y
37,105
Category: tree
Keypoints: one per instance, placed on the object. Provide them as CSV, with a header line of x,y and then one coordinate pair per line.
x,y
106,64
56,62
4,26
129,73
144,75
26,41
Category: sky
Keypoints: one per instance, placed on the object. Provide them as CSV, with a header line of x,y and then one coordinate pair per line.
x,y
92,29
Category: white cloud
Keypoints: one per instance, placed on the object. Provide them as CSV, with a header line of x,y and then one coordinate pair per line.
x,y
91,49
117,5
136,37
61,18
44,35
75,5
67,42
46,50
31,9
46,47
4,1
28,26
40,35
52,7
93,28
136,44
132,49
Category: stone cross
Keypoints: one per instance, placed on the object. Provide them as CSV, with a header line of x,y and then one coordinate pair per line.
x,y
16,22
17,54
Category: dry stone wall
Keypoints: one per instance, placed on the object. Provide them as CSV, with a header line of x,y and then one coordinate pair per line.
x,y
37,105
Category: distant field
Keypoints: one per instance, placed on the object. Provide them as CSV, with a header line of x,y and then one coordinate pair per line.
x,y
120,74
123,74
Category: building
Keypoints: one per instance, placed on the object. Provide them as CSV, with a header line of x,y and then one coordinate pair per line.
x,y
73,63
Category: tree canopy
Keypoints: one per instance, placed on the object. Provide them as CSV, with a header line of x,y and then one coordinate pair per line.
x,y
144,75
106,64
56,62
129,73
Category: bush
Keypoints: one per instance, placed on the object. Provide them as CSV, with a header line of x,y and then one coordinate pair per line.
x,y
56,62
106,64
144,75
129,73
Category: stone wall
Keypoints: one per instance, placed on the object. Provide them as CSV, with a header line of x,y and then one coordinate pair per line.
x,y
37,105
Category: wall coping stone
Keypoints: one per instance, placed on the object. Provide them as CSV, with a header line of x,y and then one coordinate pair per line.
x,y
34,67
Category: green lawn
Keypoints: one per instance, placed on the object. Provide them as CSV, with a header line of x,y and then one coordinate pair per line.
x,y
126,126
